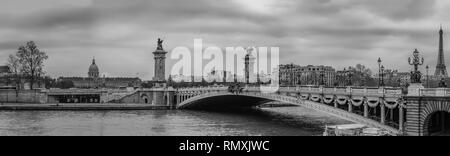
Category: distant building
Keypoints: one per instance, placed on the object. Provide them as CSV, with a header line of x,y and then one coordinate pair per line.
x,y
93,70
94,81
343,78
394,78
292,75
4,70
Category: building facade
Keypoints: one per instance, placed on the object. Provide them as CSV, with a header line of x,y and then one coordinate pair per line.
x,y
4,73
94,81
4,70
292,75
93,70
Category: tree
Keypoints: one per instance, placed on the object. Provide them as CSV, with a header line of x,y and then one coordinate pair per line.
x,y
32,61
14,68
49,82
363,70
66,84
361,75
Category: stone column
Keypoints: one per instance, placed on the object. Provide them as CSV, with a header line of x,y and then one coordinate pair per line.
x,y
350,107
401,118
413,112
366,110
383,112
336,103
158,98
160,67
322,99
170,99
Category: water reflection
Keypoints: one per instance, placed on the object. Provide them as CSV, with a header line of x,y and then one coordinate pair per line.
x,y
290,121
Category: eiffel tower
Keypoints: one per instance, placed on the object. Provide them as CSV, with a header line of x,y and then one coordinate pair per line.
x,y
441,69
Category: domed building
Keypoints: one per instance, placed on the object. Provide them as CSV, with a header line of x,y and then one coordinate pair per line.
x,y
95,81
93,70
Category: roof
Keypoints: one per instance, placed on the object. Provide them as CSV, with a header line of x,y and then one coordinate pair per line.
x,y
4,69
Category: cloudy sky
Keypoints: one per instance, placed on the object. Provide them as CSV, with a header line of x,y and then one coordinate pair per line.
x,y
121,34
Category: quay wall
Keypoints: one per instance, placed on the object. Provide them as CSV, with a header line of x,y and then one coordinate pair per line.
x,y
134,98
23,96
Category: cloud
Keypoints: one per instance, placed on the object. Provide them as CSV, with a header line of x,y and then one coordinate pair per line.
x,y
121,34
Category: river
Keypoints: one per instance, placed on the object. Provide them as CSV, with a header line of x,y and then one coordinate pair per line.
x,y
287,121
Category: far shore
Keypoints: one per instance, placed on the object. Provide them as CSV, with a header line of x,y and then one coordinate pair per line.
x,y
80,106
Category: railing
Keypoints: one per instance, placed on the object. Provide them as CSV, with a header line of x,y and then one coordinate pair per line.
x,y
118,95
74,91
202,89
379,92
356,91
386,92
435,92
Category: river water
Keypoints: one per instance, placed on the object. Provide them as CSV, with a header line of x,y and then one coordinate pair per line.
x,y
288,121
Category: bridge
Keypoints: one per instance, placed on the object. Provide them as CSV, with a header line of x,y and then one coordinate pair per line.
x,y
382,108
420,112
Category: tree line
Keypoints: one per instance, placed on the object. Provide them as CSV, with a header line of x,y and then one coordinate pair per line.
x,y
27,64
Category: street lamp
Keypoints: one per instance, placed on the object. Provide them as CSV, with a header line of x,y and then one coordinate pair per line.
x,y
342,77
322,76
428,82
350,75
382,75
379,71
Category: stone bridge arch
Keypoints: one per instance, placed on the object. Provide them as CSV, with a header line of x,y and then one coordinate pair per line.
x,y
146,98
219,99
429,113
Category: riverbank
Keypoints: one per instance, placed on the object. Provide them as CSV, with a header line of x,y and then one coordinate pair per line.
x,y
80,107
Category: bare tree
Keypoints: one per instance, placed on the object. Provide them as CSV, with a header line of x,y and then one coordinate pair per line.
x,y
32,61
14,67
362,75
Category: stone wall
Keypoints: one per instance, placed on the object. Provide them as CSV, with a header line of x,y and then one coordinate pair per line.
x,y
419,109
134,98
158,98
23,96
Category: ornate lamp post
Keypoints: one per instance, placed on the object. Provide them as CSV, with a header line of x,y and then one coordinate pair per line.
x,y
350,83
428,82
342,77
416,76
379,71
322,76
382,75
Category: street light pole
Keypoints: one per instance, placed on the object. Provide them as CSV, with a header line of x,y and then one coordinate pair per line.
x,y
382,76
350,83
322,75
428,82
379,72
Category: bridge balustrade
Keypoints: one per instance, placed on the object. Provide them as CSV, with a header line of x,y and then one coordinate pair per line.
x,y
435,92
381,99
377,92
387,106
